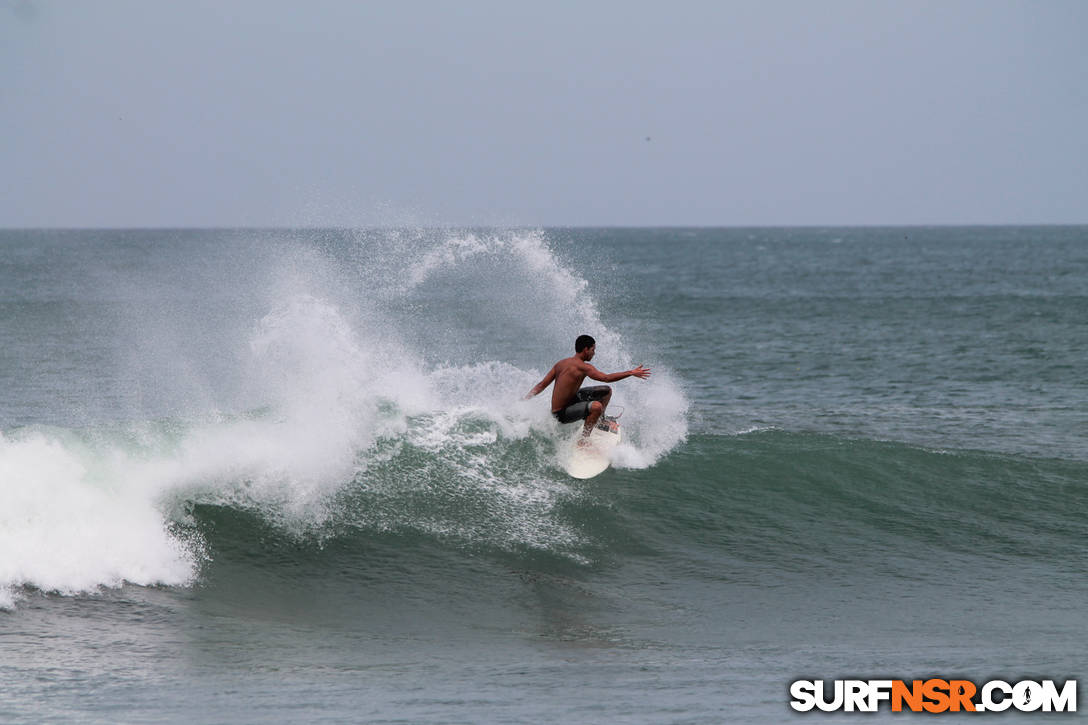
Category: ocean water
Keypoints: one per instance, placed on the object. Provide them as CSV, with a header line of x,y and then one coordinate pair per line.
x,y
288,475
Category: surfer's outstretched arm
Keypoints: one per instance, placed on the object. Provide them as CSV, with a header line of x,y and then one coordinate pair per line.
x,y
639,372
542,384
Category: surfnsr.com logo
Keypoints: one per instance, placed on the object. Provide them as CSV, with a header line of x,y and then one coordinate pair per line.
x,y
933,695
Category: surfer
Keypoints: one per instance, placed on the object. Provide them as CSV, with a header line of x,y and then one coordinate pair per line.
x,y
569,403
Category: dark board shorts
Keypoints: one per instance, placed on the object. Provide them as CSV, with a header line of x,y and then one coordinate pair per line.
x,y
579,408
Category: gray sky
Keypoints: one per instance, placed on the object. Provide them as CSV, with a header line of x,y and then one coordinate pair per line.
x,y
266,112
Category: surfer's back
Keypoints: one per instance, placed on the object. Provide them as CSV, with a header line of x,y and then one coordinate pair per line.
x,y
569,374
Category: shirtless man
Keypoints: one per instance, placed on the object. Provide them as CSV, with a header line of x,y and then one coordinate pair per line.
x,y
568,402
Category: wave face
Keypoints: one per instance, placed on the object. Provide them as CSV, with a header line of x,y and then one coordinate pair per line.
x,y
817,504
774,502
367,381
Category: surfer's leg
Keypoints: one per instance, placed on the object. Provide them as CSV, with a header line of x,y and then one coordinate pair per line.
x,y
599,395
605,400
595,412
590,406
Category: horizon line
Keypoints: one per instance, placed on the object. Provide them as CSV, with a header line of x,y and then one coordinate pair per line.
x,y
376,227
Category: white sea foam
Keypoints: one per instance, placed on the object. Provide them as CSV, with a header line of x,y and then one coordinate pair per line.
x,y
72,521
658,425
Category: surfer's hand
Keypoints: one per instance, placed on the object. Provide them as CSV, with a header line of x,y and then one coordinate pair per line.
x,y
641,372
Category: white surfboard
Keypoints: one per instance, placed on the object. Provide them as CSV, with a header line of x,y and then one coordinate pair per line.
x,y
587,461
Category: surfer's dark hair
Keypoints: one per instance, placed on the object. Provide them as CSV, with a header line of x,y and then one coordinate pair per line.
x,y
583,342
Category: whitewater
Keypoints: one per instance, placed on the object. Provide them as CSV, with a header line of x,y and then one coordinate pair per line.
x,y
324,386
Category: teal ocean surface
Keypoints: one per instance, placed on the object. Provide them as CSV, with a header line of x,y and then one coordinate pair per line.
x,y
288,475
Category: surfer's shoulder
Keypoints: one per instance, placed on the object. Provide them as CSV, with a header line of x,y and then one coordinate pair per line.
x,y
573,363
